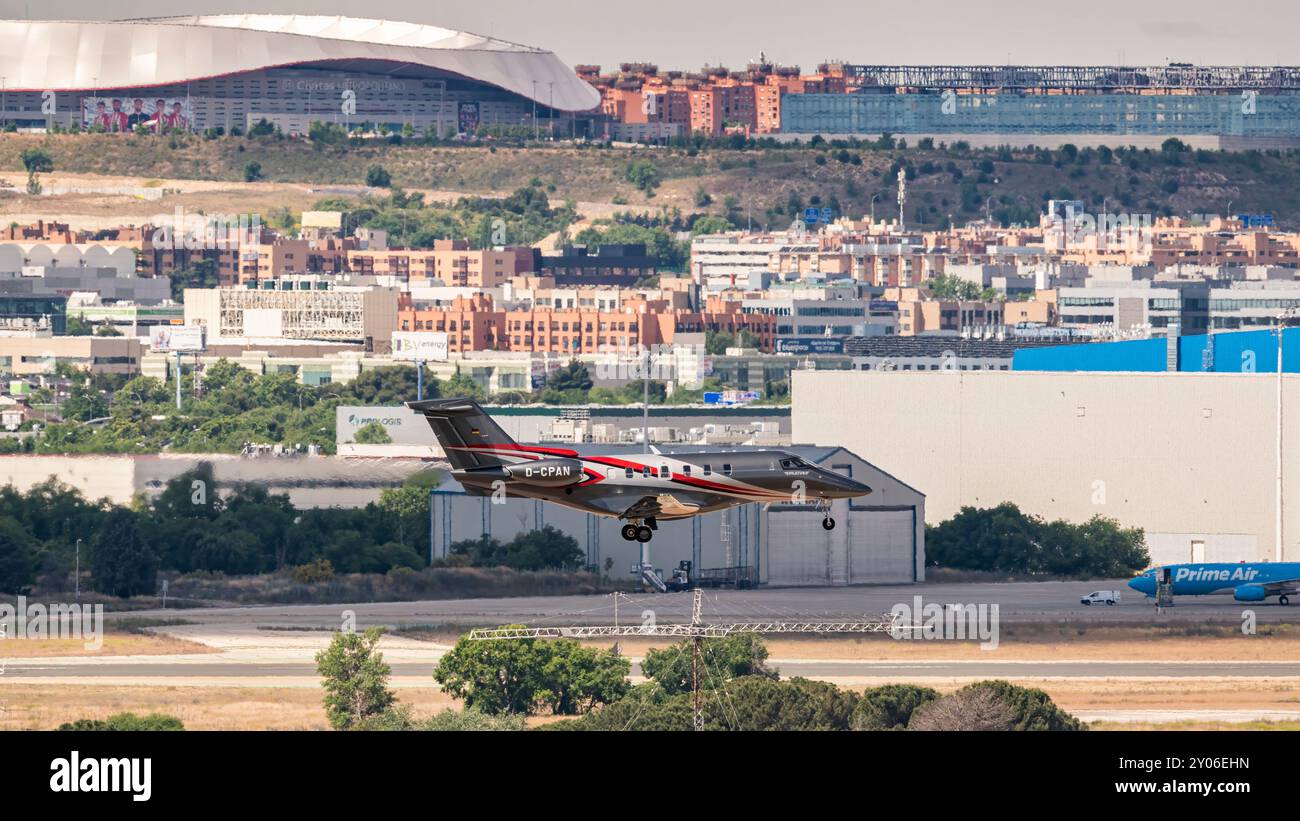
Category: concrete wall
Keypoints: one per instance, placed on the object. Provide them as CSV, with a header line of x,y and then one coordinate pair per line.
x,y
1185,456
320,481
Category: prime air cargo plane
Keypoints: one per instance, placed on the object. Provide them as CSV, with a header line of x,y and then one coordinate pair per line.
x,y
640,490
1247,581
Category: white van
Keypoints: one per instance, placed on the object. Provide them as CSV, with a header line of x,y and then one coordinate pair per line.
x,y
1100,597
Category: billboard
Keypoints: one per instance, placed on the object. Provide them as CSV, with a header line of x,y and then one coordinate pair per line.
x,y
122,114
420,346
814,344
467,118
176,338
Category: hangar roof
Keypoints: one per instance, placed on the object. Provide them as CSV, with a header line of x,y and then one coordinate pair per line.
x,y
88,55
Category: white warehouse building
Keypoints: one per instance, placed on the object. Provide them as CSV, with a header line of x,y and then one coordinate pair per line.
x,y
1189,457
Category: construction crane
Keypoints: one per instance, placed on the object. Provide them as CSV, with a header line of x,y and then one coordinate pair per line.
x,y
696,630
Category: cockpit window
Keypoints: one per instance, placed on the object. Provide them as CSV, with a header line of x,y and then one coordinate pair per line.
x,y
794,463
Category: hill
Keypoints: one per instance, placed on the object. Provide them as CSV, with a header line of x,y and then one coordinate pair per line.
x,y
764,182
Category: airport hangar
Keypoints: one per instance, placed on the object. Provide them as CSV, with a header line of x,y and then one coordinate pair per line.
x,y
222,71
879,538
1178,436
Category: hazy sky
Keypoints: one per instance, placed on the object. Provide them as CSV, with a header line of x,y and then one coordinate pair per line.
x,y
689,33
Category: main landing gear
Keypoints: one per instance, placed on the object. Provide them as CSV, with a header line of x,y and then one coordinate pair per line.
x,y
636,532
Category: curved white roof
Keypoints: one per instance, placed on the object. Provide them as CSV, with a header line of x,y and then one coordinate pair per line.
x,y
89,55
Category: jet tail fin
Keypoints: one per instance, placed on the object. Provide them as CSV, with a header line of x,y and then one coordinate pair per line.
x,y
469,437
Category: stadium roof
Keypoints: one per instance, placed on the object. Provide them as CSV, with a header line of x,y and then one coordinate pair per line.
x,y
90,55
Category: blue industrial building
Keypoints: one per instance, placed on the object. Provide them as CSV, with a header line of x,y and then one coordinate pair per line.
x,y
1226,352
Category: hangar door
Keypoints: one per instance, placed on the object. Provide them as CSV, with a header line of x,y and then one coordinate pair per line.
x,y
880,548
868,546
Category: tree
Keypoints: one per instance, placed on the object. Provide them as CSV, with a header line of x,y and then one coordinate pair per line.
x,y
37,161
522,676
84,403
495,676
378,177
122,563
17,556
578,678
355,678
742,654
252,171
546,549
372,433
891,706
573,376
1004,539
965,710
1031,708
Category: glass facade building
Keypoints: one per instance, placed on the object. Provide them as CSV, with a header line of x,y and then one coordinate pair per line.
x,y
1243,113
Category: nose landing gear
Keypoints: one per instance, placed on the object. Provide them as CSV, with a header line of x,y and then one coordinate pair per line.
x,y
824,506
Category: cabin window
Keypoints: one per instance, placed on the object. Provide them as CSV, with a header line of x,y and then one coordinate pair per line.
x,y
708,470
686,470
726,470
663,472
645,472
630,473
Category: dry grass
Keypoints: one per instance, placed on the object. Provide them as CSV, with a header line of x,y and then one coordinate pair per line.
x,y
115,644
1188,726
33,706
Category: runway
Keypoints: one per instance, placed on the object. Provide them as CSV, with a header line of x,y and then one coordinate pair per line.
x,y
1017,602
145,670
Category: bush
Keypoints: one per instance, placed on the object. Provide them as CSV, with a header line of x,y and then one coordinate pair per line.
x,y
890,707
459,721
127,722
316,570
378,177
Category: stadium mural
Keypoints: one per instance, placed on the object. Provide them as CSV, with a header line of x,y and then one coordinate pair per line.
x,y
123,114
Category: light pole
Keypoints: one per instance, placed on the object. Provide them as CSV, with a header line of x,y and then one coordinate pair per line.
x,y
874,197
1277,522
77,576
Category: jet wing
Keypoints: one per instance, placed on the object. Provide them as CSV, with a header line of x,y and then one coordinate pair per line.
x,y
1281,586
664,504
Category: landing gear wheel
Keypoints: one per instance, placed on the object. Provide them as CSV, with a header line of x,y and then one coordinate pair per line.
x,y
1283,600
644,534
629,532
828,523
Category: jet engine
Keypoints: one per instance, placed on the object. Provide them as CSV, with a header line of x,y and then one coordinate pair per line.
x,y
1249,592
